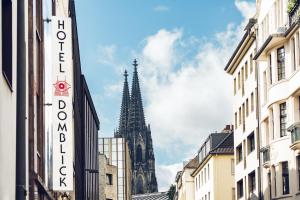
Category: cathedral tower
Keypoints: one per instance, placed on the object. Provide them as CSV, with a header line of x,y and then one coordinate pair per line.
x,y
132,126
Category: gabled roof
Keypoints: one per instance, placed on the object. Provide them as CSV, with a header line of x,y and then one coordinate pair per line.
x,y
225,146
152,196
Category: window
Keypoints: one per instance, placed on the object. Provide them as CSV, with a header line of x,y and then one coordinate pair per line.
x,y
234,86
208,172
239,80
251,143
240,116
293,48
139,154
247,107
7,40
252,102
285,178
281,63
283,118
246,70
270,68
233,193
252,183
240,189
251,63
298,170
243,81
208,195
265,85
270,185
244,122
235,120
196,183
205,175
239,153
109,180
232,166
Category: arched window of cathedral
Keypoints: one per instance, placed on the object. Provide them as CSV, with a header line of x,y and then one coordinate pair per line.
x,y
140,185
139,153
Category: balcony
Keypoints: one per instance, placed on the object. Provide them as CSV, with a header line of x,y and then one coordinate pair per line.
x,y
266,156
293,11
295,136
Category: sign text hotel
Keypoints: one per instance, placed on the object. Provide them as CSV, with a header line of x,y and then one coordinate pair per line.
x,y
62,109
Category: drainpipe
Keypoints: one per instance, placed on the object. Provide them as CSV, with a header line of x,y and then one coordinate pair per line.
x,y
260,194
21,192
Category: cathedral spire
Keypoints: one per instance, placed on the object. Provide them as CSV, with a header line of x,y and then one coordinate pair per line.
x,y
136,110
124,108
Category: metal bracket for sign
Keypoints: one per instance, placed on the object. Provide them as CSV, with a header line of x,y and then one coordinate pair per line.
x,y
95,171
47,20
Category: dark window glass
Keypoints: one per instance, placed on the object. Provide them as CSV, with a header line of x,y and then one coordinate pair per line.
x,y
240,189
109,180
281,63
298,169
285,178
252,181
7,40
239,153
251,143
270,68
283,118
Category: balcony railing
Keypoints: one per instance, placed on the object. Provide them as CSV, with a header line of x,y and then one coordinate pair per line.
x,y
293,11
266,156
295,136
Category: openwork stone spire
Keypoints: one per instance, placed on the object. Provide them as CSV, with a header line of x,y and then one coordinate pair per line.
x,y
124,108
136,111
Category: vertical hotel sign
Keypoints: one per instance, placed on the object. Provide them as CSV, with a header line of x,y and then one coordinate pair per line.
x,y
62,108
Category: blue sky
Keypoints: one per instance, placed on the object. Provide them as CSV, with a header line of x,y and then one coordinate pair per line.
x,y
182,48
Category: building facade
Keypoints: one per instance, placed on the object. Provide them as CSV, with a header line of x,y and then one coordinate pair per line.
x,y
279,87
243,69
184,181
132,126
214,175
108,179
116,151
24,133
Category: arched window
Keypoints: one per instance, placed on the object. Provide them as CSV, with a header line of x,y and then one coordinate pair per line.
x,y
139,153
140,185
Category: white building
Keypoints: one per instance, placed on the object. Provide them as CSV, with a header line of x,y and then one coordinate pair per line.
x,y
243,70
279,89
8,98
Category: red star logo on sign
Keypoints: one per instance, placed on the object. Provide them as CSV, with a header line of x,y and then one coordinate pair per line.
x,y
61,88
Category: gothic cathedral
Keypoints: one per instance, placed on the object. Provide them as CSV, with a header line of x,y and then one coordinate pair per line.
x,y
132,126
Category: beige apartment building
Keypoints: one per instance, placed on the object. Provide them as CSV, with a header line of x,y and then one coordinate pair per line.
x,y
185,182
243,69
214,175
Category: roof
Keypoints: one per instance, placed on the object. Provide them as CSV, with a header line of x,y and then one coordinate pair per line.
x,y
222,143
151,196
192,163
225,146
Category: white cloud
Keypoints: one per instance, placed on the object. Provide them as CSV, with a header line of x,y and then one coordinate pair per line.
x,y
246,8
166,175
106,54
161,8
188,97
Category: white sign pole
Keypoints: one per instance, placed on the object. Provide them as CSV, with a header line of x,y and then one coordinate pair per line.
x,y
62,108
